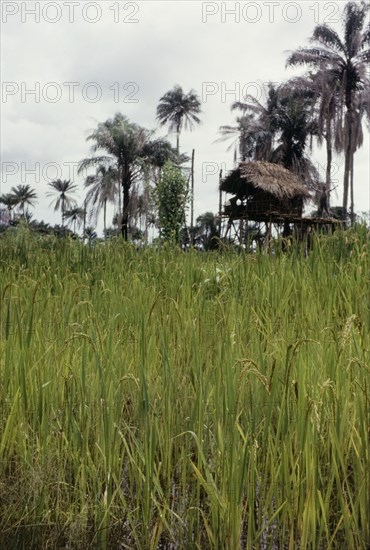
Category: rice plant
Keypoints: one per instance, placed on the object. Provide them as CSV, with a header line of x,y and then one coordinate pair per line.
x,y
161,399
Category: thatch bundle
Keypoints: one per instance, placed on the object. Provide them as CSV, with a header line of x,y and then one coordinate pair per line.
x,y
263,190
273,179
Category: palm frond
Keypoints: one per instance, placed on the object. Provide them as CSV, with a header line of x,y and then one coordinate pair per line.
x,y
329,38
354,19
365,37
178,109
363,57
92,162
312,56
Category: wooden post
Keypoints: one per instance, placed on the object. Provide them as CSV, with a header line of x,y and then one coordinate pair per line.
x,y
192,199
228,228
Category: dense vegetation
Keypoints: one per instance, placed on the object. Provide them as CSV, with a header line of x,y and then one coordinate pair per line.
x,y
161,399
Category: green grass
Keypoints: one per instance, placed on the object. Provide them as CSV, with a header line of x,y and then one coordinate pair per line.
x,y
156,399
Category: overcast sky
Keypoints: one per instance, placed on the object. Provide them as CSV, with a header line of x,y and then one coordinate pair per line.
x,y
123,56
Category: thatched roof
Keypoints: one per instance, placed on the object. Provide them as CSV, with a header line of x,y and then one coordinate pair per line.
x,y
274,179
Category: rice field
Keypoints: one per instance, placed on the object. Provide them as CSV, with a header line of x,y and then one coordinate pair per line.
x,y
157,399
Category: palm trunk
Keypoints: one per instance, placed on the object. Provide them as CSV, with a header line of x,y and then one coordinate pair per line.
x,y
329,157
352,194
63,206
124,227
146,192
126,199
347,165
105,217
84,218
347,162
178,139
159,174
146,232
119,201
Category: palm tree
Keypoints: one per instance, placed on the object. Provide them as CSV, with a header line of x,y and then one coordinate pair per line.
x,y
295,124
158,152
206,228
361,109
64,189
318,106
103,188
244,134
179,110
75,216
278,129
123,141
259,121
9,201
345,62
327,116
24,195
89,234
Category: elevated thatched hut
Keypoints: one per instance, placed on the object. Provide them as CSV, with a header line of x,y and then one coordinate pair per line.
x,y
264,192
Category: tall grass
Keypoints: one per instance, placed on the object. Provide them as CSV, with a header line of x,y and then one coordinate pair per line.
x,y
157,399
